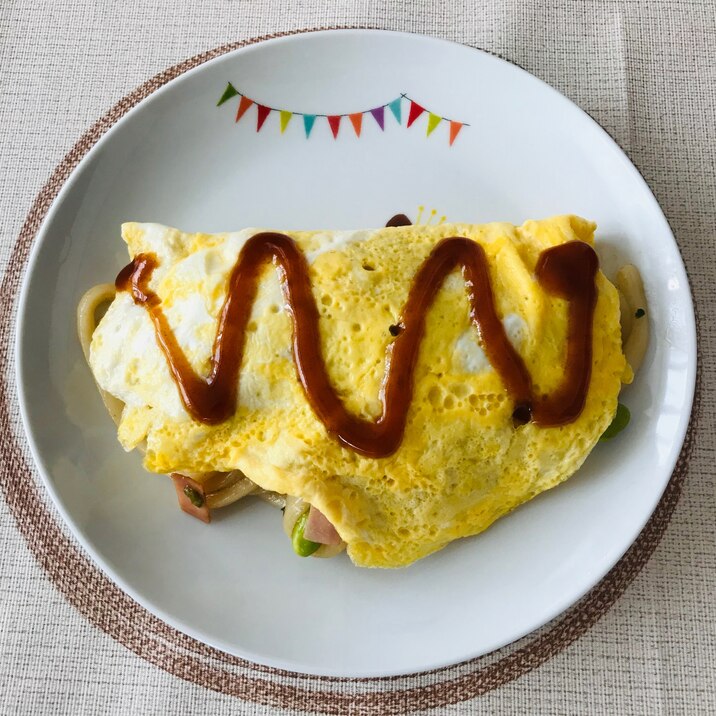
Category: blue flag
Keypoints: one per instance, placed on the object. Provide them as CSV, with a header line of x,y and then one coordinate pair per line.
x,y
308,120
395,108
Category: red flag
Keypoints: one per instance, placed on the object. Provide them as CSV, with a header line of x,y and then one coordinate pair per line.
x,y
263,112
244,104
335,122
415,111
357,122
455,128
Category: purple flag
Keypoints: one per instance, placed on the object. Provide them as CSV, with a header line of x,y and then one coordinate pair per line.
x,y
378,113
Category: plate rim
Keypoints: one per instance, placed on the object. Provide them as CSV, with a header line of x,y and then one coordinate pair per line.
x,y
45,473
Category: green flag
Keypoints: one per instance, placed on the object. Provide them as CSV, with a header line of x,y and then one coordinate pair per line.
x,y
229,92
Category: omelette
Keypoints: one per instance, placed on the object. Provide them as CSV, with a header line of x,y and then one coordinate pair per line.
x,y
392,389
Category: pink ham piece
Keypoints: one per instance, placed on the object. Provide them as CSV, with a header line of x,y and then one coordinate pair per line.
x,y
180,483
319,529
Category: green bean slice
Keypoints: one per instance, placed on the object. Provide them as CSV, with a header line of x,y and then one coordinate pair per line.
x,y
194,496
301,546
620,421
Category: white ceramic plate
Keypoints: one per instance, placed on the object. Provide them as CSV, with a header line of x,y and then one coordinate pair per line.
x,y
178,159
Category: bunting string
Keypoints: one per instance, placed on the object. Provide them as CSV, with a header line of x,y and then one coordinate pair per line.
x,y
394,109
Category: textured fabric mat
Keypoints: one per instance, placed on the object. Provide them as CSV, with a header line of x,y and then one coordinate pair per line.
x,y
644,640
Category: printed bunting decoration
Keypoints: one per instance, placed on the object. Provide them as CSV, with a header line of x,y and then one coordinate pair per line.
x,y
433,121
229,92
308,120
455,128
244,104
334,120
261,115
357,122
379,116
395,107
415,111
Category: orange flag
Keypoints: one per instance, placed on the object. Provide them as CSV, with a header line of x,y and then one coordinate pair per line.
x,y
357,122
244,104
455,128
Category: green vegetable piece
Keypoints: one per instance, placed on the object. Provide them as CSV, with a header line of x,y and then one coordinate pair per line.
x,y
640,312
620,421
301,546
194,497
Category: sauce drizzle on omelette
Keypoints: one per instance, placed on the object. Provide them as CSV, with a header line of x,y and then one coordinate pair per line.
x,y
567,270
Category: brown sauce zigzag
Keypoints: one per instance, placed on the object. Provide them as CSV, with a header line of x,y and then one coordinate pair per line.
x,y
567,270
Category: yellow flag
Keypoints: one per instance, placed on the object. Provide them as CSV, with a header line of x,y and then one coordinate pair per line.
x,y
285,119
433,121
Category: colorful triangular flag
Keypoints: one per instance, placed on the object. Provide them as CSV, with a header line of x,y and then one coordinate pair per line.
x,y
334,120
455,128
379,114
229,92
357,122
263,112
395,108
244,104
433,121
308,120
285,119
415,111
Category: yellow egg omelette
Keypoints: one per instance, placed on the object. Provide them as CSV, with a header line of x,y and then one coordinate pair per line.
x,y
462,461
